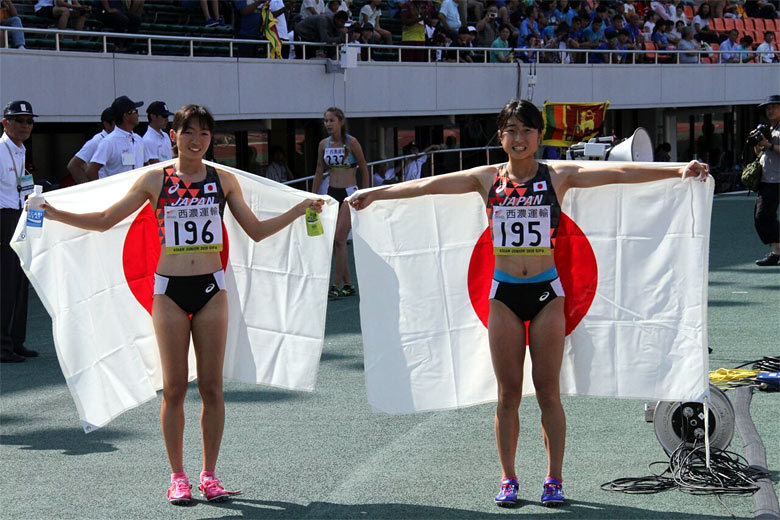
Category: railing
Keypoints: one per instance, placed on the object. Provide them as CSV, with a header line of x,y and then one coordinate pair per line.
x,y
483,54
399,173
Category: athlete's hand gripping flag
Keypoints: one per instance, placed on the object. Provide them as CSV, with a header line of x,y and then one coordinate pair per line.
x,y
97,287
633,262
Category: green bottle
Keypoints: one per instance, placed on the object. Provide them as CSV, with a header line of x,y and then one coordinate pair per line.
x,y
313,224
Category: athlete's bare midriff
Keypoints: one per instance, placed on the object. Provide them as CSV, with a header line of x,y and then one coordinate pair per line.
x,y
343,177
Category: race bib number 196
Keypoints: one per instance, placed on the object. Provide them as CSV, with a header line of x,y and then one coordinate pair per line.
x,y
521,230
193,229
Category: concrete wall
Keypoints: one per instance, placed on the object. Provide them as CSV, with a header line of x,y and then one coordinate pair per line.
x,y
71,86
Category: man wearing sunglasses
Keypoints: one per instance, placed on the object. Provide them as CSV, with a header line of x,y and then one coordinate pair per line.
x,y
15,185
122,150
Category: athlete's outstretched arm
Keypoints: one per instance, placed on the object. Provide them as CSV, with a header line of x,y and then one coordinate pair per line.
x,y
457,182
576,176
260,229
139,193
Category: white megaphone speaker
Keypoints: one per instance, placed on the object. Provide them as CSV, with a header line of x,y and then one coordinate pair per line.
x,y
637,148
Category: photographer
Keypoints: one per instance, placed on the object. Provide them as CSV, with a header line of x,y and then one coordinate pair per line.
x,y
767,139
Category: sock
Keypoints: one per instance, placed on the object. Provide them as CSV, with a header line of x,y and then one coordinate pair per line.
x,y
178,476
206,474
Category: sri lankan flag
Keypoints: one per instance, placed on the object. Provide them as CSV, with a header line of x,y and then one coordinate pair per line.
x,y
568,123
269,30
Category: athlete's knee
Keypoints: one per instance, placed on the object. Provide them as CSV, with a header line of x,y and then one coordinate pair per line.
x,y
548,398
174,394
210,391
509,397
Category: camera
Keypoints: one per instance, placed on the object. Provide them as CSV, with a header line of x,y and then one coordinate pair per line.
x,y
493,15
761,132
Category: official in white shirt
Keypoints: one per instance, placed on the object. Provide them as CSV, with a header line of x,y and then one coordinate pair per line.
x,y
157,142
77,167
122,150
15,185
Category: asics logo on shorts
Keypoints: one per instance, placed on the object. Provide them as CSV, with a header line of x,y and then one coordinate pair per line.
x,y
210,288
544,296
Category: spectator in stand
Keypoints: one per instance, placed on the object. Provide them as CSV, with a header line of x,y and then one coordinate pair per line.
x,y
413,166
664,10
670,37
414,16
529,27
717,8
593,34
513,13
370,13
687,43
311,8
564,12
651,18
761,9
157,141
113,14
353,36
122,150
488,27
323,28
768,192
449,17
333,7
676,31
601,12
77,167
367,36
730,48
502,42
248,23
463,44
634,28
662,153
440,39
577,30
767,52
61,10
618,22
629,9
477,6
279,10
10,18
746,46
561,41
701,25
679,15
277,169
658,37
212,17
612,42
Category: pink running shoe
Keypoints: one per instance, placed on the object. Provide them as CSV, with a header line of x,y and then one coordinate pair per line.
x,y
213,491
180,492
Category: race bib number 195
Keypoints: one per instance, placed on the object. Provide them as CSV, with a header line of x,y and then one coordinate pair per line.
x,y
521,230
193,229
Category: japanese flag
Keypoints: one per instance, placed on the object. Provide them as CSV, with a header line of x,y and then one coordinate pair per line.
x,y
97,287
633,262
540,186
210,187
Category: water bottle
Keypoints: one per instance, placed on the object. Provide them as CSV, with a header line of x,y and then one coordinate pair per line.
x,y
35,213
313,224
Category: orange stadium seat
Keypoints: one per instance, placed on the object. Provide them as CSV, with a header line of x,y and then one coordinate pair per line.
x,y
650,56
688,10
741,25
717,25
770,25
759,24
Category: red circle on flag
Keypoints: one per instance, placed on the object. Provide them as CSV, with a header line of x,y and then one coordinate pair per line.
x,y
141,253
574,260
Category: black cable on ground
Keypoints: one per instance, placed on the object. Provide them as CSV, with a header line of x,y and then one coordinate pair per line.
x,y
765,503
765,364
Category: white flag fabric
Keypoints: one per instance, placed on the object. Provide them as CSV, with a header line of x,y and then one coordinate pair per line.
x,y
97,288
633,261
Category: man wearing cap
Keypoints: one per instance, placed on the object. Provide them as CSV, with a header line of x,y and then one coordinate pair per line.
x,y
768,192
157,143
122,150
78,164
15,185
413,166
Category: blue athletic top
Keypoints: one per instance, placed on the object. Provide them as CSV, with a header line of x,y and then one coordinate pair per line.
x,y
339,157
